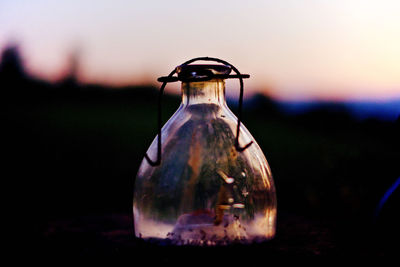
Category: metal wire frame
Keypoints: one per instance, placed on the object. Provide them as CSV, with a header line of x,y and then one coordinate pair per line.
x,y
171,78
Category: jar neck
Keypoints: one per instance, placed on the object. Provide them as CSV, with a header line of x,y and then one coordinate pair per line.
x,y
204,92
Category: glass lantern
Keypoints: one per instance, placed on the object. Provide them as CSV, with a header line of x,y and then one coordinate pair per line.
x,y
204,189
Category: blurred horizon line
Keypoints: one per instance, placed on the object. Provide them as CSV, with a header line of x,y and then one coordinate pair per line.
x,y
73,71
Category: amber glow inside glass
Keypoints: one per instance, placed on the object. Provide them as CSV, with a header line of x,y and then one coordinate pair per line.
x,y
205,192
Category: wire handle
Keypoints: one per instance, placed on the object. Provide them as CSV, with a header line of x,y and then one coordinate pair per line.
x,y
171,78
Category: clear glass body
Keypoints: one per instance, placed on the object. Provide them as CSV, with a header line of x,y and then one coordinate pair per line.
x,y
205,192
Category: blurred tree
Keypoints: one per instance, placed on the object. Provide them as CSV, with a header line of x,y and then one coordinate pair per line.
x,y
11,65
70,80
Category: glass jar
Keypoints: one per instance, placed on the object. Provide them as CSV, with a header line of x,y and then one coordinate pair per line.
x,y
204,192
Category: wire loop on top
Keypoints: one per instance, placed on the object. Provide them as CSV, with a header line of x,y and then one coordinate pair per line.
x,y
172,78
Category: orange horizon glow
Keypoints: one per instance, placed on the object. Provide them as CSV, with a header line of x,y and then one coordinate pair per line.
x,y
293,50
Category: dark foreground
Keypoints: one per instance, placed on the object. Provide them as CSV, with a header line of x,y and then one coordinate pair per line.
x,y
297,237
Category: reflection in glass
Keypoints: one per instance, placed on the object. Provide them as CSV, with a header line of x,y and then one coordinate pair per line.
x,y
204,192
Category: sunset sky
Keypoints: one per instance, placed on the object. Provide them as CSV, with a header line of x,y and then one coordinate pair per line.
x,y
294,50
